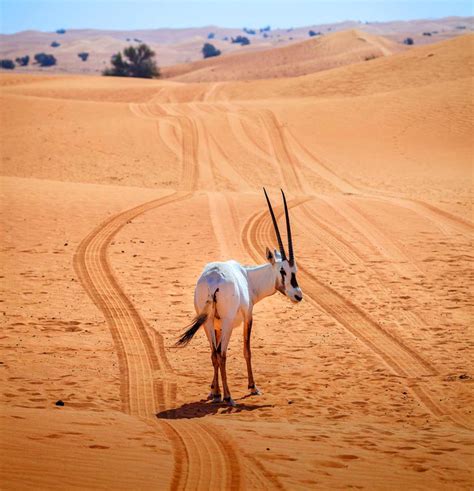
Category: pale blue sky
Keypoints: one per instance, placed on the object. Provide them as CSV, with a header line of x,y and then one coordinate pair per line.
x,y
49,15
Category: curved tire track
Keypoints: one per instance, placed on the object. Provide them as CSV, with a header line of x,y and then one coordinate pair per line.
x,y
143,393
401,359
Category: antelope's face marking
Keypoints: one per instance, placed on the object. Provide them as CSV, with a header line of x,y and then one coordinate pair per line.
x,y
286,282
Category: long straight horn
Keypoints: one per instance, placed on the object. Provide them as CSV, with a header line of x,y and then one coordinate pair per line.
x,y
275,225
291,255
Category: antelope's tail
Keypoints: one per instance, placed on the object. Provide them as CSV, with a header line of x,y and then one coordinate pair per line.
x,y
198,321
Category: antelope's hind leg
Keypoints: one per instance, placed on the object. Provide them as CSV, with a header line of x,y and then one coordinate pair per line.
x,y
215,394
222,359
248,356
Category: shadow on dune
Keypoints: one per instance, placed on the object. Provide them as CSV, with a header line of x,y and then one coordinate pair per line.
x,y
202,408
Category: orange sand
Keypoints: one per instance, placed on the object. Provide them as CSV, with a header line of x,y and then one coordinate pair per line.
x,y
314,55
115,194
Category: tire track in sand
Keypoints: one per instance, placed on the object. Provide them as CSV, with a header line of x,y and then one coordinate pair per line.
x,y
144,373
189,139
399,358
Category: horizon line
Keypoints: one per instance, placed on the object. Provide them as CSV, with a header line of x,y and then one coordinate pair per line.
x,y
237,27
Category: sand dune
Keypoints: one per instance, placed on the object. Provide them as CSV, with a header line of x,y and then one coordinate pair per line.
x,y
313,55
116,192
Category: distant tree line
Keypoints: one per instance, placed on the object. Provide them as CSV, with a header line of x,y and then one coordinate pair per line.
x,y
41,59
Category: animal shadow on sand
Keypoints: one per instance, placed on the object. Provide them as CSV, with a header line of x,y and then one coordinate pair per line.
x,y
202,408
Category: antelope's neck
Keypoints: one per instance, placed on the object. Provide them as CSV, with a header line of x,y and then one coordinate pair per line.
x,y
261,282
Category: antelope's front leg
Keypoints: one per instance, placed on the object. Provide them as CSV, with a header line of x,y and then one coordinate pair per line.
x,y
215,394
248,356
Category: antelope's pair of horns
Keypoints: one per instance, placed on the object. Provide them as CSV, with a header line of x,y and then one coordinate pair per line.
x,y
291,257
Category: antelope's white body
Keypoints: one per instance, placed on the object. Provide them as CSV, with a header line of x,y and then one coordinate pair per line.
x,y
224,298
227,282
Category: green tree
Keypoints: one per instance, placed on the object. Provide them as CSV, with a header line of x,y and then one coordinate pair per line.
x,y
23,60
43,59
136,61
209,50
7,64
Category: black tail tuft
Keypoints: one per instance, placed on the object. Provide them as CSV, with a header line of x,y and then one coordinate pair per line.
x,y
192,330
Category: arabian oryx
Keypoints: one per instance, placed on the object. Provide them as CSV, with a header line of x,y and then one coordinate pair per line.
x,y
225,295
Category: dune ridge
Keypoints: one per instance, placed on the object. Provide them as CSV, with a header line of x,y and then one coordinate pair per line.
x,y
314,55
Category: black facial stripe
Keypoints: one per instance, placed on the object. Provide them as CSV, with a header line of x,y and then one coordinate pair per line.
x,y
293,281
283,273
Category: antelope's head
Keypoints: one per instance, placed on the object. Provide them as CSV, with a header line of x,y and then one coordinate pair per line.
x,y
284,266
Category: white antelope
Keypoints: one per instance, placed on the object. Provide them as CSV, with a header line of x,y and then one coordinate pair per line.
x,y
225,295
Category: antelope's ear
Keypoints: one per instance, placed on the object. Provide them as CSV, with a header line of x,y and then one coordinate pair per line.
x,y
270,256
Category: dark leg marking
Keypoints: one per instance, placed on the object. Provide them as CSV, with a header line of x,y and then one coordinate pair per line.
x,y
248,356
215,394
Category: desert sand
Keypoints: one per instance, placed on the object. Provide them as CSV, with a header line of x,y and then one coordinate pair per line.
x,y
314,55
116,193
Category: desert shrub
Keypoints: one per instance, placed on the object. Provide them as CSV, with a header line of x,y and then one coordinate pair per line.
x,y
427,34
43,59
83,55
7,64
370,57
265,29
265,34
312,33
135,62
55,44
249,31
137,40
211,35
241,40
209,50
61,31
23,60
461,27
408,41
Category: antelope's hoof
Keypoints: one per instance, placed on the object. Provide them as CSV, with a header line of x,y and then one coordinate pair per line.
x,y
255,391
214,397
229,401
